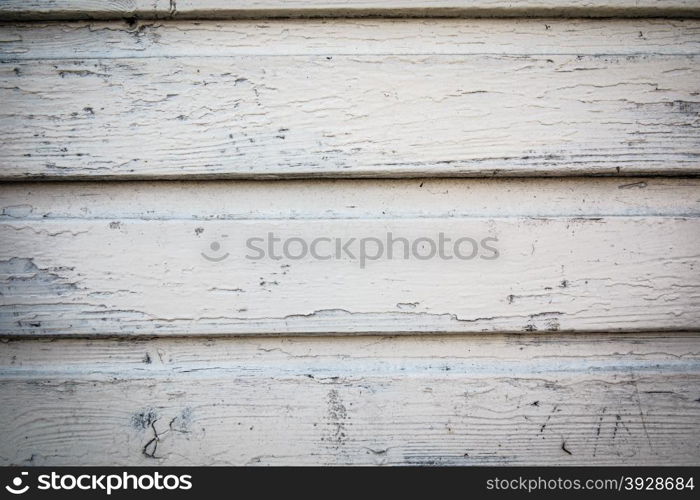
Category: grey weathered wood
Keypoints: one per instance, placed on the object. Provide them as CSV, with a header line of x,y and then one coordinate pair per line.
x,y
75,265
374,98
349,98
351,199
517,400
227,9
312,37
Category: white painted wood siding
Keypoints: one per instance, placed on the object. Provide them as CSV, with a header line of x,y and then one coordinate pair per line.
x,y
135,134
528,399
349,98
145,271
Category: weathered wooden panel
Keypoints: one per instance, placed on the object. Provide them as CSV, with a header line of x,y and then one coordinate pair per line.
x,y
537,399
145,270
352,199
394,99
496,37
114,9
191,365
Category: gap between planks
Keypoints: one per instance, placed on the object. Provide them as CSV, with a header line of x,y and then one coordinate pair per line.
x,y
225,9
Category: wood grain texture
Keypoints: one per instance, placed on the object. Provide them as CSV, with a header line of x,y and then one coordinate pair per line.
x,y
434,400
227,9
139,267
496,37
351,199
351,98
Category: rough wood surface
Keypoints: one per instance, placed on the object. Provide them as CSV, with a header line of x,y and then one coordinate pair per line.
x,y
495,37
138,267
130,263
349,98
159,9
538,399
351,198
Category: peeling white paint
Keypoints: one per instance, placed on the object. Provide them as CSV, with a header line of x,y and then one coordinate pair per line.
x,y
150,277
433,400
189,361
407,100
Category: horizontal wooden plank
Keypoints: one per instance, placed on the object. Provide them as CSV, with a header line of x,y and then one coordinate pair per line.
x,y
434,400
511,274
526,37
58,279
352,198
396,98
227,9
